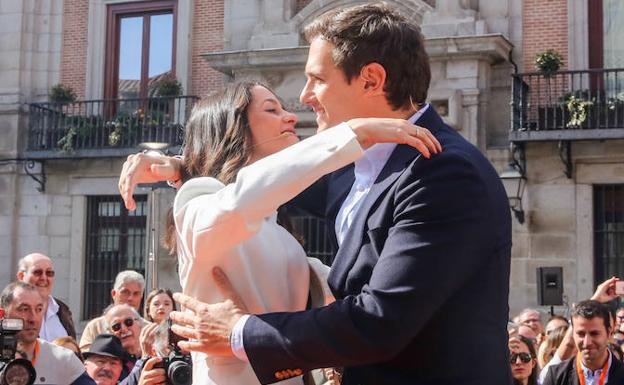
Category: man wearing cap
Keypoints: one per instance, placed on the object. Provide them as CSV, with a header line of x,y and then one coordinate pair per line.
x,y
105,360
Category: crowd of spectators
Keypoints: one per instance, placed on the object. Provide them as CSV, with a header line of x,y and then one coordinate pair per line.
x,y
115,348
118,346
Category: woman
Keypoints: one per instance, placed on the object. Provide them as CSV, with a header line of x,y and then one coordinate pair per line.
x,y
158,304
245,160
523,361
70,343
548,348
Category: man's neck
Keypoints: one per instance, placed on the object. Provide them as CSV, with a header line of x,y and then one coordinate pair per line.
x,y
598,363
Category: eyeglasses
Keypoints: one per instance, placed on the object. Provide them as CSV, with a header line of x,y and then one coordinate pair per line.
x,y
40,272
128,322
525,358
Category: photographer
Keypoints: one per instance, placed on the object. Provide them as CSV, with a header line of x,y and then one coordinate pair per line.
x,y
53,364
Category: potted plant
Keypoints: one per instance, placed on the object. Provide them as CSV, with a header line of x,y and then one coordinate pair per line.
x,y
548,62
167,86
62,94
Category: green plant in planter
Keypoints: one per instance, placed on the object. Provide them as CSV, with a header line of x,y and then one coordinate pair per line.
x,y
62,94
167,86
578,108
548,62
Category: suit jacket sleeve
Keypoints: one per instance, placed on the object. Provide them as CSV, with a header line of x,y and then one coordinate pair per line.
x,y
432,246
213,218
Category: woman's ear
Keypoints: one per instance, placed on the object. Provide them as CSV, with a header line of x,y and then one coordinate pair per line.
x,y
373,76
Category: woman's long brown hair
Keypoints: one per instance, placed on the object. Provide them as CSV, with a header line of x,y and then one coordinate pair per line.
x,y
217,141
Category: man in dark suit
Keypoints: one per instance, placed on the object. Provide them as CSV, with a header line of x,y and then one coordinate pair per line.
x,y
591,324
421,276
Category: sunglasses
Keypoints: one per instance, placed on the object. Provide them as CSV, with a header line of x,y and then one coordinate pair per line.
x,y
128,322
525,358
40,272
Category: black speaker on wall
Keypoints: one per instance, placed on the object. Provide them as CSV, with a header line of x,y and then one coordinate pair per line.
x,y
550,286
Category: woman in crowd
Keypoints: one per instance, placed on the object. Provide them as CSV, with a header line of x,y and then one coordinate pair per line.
x,y
523,361
70,343
242,160
548,348
158,304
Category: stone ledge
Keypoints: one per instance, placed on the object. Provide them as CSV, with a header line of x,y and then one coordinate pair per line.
x,y
495,48
230,62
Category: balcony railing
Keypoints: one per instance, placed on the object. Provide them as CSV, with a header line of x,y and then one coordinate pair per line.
x,y
568,105
96,128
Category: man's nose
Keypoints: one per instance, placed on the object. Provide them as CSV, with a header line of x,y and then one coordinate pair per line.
x,y
304,96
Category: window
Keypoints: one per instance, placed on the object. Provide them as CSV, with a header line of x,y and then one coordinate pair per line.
x,y
315,239
140,47
608,231
116,241
606,46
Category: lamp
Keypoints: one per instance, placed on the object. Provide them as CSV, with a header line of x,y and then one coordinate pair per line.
x,y
151,267
514,182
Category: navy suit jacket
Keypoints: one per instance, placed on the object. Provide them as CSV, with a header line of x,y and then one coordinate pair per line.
x,y
421,279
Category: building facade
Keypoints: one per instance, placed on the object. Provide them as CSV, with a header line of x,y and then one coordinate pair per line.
x,y
59,161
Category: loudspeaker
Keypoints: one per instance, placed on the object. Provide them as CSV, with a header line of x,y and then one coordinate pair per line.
x,y
550,286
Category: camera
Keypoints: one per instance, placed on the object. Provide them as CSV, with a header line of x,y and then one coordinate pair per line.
x,y
177,364
13,371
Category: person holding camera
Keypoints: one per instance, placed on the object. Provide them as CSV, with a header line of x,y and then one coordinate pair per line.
x,y
105,360
53,364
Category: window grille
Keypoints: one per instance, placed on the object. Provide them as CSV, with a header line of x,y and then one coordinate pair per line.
x,y
115,241
608,231
316,241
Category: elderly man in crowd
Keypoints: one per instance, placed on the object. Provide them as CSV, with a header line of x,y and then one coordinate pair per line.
x,y
37,269
105,360
128,289
124,322
53,364
531,318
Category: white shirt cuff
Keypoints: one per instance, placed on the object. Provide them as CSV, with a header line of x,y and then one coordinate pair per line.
x,y
236,339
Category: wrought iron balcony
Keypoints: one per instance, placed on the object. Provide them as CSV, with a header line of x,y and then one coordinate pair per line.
x,y
101,128
568,106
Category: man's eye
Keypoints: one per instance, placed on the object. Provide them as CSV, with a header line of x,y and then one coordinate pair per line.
x,y
271,110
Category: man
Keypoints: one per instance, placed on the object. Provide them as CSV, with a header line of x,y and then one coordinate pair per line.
x,y
127,289
421,242
594,363
125,323
37,269
105,360
531,318
53,364
619,317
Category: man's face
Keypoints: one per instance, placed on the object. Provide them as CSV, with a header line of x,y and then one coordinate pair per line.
x,y
590,337
619,318
129,293
118,320
327,91
27,305
40,273
532,320
104,370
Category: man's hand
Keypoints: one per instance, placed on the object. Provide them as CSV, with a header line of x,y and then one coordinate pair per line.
x,y
208,326
151,376
147,340
370,131
605,292
144,168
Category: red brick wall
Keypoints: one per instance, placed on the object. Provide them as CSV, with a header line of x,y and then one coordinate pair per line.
x,y
207,36
544,26
74,48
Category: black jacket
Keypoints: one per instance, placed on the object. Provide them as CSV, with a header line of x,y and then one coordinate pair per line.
x,y
565,373
65,316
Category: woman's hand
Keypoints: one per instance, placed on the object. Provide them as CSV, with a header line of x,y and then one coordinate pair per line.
x,y
147,339
144,168
370,131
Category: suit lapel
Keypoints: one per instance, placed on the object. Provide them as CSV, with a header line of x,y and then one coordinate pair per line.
x,y
349,250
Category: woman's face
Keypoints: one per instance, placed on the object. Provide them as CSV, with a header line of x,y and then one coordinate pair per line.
x,y
272,127
160,307
519,353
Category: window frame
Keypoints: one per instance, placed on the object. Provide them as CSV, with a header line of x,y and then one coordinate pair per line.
x,y
115,12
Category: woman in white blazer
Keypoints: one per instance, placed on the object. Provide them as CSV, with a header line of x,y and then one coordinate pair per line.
x,y
242,160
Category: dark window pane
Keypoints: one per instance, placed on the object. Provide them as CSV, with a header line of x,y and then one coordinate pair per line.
x,y
608,231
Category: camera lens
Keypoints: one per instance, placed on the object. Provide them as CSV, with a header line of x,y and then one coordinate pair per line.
x,y
18,372
180,373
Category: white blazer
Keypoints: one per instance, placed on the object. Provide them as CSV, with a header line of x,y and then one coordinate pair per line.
x,y
234,227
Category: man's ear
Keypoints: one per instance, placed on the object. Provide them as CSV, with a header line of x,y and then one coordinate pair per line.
x,y
373,76
20,275
113,294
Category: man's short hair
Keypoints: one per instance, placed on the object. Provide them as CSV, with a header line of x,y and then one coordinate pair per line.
x,y
127,276
374,33
530,310
8,293
135,313
591,309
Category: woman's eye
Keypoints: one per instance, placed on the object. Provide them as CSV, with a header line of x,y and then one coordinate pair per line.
x,y
272,110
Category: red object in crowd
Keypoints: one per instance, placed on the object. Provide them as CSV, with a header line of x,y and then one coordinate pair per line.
x,y
1,313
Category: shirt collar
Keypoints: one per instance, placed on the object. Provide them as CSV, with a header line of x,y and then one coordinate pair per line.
x,y
375,157
588,373
53,307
